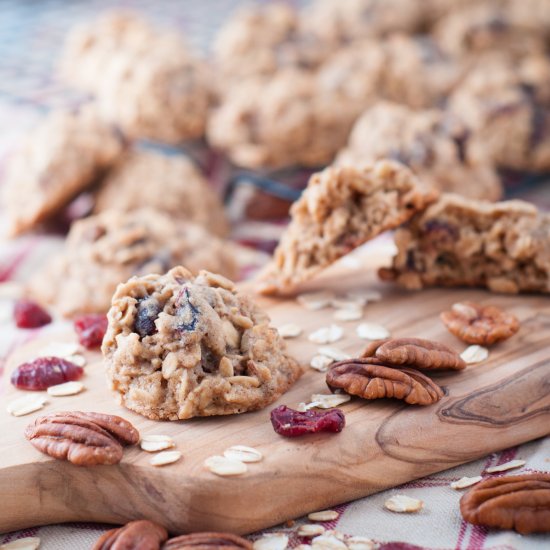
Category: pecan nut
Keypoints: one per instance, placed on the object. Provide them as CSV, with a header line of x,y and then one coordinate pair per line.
x,y
369,378
208,541
519,502
136,535
477,324
415,352
83,438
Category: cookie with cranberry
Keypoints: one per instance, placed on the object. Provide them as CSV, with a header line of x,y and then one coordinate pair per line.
x,y
107,249
180,346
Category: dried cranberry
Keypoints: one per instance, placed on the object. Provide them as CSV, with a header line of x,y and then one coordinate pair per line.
x,y
29,314
291,423
44,372
147,311
90,329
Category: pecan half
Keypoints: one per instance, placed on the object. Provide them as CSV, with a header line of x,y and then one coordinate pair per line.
x,y
136,535
477,324
415,352
208,541
520,502
369,378
83,438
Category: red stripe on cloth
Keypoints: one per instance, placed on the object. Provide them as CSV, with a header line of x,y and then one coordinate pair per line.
x,y
7,272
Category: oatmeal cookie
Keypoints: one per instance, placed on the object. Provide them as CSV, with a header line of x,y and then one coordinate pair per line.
x,y
259,40
105,250
432,144
92,46
283,120
506,106
178,347
491,26
60,158
337,21
169,183
145,80
418,72
503,246
341,208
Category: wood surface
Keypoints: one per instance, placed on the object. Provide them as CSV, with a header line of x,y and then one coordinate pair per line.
x,y
499,403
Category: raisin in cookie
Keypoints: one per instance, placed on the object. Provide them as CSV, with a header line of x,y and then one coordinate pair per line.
x,y
105,250
506,106
144,79
60,158
169,183
503,246
178,347
432,144
341,208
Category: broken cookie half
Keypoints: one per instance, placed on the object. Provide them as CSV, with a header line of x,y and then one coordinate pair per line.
x,y
342,208
179,347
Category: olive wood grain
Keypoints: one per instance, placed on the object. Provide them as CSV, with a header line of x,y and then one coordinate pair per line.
x,y
501,402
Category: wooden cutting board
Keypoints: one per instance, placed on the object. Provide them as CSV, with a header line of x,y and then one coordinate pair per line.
x,y
499,403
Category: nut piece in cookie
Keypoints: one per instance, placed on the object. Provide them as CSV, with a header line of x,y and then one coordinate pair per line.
x,y
477,324
519,502
169,183
342,208
179,347
107,249
59,159
503,246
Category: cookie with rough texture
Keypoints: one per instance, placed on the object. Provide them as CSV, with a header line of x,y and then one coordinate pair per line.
x,y
418,72
506,106
338,21
281,120
261,39
169,183
179,347
342,208
432,144
104,250
61,157
504,246
491,26
144,79
91,46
